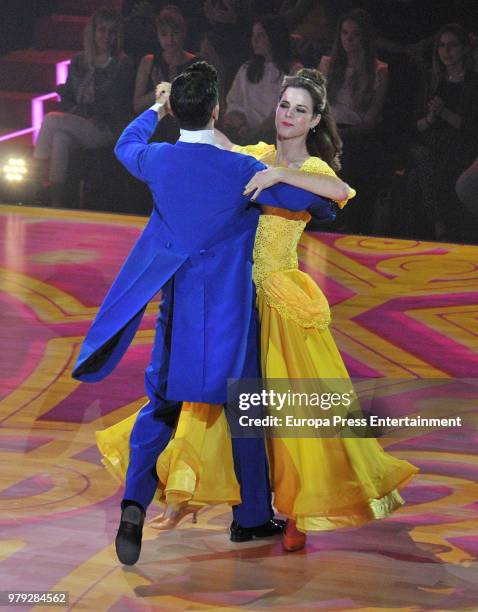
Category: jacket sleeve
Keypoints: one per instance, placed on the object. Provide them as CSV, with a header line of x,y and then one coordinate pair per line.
x,y
132,148
282,195
323,210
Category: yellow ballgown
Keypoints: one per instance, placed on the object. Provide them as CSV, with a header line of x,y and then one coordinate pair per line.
x,y
321,483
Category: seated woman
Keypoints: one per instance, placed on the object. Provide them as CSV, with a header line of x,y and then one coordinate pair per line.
x,y
96,101
140,25
319,483
357,87
445,133
253,96
169,60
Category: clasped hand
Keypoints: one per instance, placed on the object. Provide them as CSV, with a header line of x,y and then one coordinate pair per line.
x,y
436,106
162,93
262,180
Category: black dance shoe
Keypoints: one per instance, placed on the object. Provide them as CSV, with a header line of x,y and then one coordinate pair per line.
x,y
245,534
130,533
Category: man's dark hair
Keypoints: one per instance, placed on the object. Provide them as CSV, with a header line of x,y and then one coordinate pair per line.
x,y
194,94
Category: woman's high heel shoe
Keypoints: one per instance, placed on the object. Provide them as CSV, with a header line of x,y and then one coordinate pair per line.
x,y
292,538
171,518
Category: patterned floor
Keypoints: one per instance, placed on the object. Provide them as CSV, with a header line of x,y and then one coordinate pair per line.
x,y
402,310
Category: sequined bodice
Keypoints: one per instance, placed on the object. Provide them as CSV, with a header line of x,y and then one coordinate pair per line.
x,y
275,247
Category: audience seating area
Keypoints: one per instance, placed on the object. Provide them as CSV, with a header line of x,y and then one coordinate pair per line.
x,y
27,94
97,181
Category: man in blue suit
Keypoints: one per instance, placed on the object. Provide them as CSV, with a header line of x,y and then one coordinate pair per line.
x,y
197,249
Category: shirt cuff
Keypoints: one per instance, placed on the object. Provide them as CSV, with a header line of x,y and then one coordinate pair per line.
x,y
156,106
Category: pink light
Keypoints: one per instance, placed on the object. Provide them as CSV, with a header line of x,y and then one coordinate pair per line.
x,y
37,110
62,72
17,134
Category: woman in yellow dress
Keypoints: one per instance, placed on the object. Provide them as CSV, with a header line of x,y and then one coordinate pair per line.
x,y
319,483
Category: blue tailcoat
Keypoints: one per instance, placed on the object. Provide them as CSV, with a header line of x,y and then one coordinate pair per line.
x,y
200,236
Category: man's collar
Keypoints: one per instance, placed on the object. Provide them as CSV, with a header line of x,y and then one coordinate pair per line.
x,y
198,137
193,136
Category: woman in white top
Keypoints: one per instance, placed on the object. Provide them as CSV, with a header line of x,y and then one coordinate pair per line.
x,y
357,87
253,96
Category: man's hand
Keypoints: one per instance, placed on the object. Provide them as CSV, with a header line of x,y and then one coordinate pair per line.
x,y
262,180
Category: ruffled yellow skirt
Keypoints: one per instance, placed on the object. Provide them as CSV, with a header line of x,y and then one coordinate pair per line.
x,y
322,483
196,467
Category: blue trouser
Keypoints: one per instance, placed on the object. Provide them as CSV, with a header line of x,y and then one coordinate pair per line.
x,y
154,427
149,438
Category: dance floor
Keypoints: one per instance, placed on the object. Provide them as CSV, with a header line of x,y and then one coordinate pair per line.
x,y
402,309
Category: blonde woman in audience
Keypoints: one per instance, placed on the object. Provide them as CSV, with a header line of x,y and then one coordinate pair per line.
x,y
96,102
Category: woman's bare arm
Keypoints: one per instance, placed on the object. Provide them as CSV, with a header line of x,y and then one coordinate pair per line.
x,y
324,185
143,98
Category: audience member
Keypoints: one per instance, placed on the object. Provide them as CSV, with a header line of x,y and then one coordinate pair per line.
x,y
357,87
169,60
446,131
162,66
139,25
252,99
96,101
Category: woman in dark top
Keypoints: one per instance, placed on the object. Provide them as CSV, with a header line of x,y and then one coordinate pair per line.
x,y
96,101
446,131
167,62
140,28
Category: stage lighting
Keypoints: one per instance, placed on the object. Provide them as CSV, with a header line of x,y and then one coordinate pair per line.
x,y
15,170
17,183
